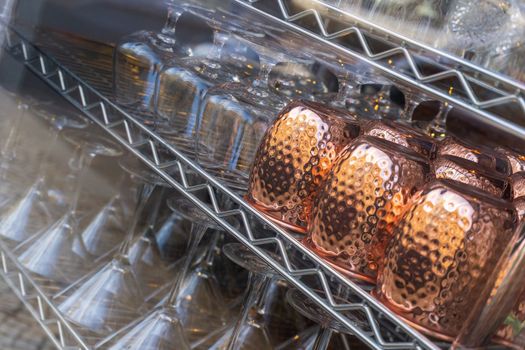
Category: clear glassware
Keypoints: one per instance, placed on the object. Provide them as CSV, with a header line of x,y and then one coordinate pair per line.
x,y
31,212
258,321
166,322
140,57
113,295
183,84
50,253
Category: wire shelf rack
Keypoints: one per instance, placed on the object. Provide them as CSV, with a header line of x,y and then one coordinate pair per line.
x,y
488,95
360,314
492,98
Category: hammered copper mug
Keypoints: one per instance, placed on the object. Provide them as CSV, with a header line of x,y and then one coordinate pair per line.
x,y
402,135
469,173
367,192
443,256
517,184
481,155
294,158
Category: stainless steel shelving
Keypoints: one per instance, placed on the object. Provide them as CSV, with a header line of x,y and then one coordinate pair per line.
x,y
486,94
360,314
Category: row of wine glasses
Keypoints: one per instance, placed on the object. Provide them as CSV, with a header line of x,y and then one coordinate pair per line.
x,y
427,222
144,268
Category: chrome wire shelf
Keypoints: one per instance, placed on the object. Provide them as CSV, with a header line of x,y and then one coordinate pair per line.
x,y
360,314
62,335
491,98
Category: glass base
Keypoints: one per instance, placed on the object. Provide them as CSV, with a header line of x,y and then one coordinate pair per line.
x,y
161,330
242,256
271,215
314,312
107,300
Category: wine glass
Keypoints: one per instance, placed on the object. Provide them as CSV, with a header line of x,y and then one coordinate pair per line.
x,y
113,295
258,323
50,253
140,57
173,319
32,211
183,84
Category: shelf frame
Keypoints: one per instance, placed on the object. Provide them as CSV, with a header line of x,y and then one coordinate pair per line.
x,y
503,90
377,326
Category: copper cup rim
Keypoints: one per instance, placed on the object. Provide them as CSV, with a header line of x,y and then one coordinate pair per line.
x,y
321,109
266,210
480,150
470,166
392,124
470,191
388,147
349,273
499,181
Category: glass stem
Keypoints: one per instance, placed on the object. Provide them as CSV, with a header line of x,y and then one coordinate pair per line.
x,y
167,34
8,151
257,286
410,106
45,163
196,234
85,161
322,340
441,117
143,196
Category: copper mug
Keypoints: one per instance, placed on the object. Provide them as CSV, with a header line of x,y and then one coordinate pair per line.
x,y
294,158
517,184
362,200
443,256
481,155
516,160
469,173
402,135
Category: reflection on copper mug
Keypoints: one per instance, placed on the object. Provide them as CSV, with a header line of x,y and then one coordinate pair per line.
x,y
469,173
516,160
402,135
443,252
482,156
517,184
294,158
362,200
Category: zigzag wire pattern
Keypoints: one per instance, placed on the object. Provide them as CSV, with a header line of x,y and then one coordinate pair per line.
x,y
426,79
78,93
43,312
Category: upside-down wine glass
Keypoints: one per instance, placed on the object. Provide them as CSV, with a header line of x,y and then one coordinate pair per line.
x,y
140,57
28,214
50,253
165,325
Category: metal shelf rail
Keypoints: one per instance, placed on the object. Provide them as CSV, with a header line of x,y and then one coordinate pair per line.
x,y
488,95
59,331
360,314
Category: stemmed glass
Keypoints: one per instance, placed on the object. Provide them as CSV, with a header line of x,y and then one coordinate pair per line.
x,y
183,84
50,253
140,57
24,217
114,294
173,320
254,326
